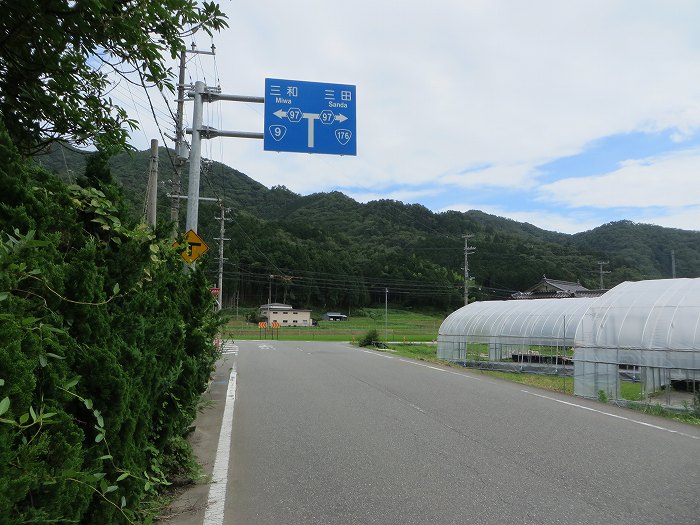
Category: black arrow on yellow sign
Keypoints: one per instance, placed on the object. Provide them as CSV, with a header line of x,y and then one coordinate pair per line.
x,y
196,247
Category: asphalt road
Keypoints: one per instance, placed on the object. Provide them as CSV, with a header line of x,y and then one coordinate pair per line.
x,y
326,433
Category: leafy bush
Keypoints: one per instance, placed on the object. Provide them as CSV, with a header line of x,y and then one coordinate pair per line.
x,y
695,410
107,346
369,338
602,396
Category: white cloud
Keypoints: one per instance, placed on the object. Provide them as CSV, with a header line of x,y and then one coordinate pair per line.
x,y
569,223
507,85
463,84
410,196
670,180
683,218
504,175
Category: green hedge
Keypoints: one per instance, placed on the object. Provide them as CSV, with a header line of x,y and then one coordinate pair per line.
x,y
106,348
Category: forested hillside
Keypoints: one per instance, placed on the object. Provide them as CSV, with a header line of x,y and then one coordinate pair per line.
x,y
327,250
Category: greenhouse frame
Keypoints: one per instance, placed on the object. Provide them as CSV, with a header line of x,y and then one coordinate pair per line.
x,y
632,343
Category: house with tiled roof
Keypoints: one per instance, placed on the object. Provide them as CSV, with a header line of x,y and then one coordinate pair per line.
x,y
556,289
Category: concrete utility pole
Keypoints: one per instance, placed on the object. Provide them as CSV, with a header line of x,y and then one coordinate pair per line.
x,y
180,147
152,191
221,240
180,153
386,315
195,159
468,250
203,94
269,293
601,263
673,264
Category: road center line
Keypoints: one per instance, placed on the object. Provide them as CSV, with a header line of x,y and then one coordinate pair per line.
x,y
214,514
611,415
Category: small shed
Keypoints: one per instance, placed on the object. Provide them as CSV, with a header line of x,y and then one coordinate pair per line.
x,y
334,316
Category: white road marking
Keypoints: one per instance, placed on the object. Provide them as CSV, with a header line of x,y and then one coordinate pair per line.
x,y
466,376
214,514
229,347
416,407
611,415
421,364
376,354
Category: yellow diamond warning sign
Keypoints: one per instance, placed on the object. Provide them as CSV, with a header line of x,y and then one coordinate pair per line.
x,y
196,247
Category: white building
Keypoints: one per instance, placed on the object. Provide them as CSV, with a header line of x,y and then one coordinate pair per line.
x,y
285,314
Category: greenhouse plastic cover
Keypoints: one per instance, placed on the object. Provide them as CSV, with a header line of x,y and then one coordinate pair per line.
x,y
661,314
653,324
517,322
526,319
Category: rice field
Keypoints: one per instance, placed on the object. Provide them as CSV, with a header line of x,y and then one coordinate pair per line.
x,y
398,326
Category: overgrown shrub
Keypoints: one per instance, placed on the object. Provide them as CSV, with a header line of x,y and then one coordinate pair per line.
x,y
369,338
107,346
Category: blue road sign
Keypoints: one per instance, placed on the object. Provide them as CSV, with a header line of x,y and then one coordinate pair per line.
x,y
310,117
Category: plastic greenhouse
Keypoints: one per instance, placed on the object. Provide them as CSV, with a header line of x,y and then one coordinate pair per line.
x,y
633,342
496,330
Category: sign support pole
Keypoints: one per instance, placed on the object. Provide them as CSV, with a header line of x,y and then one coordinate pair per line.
x,y
195,158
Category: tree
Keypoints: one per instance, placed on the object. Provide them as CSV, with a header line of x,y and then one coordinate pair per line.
x,y
58,59
107,347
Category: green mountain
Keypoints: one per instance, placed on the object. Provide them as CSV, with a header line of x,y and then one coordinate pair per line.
x,y
328,251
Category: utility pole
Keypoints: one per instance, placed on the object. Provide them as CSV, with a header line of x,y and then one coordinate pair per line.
x,y
195,159
386,315
203,94
468,250
221,240
180,147
673,264
601,263
269,293
152,191
180,154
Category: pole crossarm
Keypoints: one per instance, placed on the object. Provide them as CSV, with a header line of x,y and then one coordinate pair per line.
x,y
212,96
185,197
207,132
236,98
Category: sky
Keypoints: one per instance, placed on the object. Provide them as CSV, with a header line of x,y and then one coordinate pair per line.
x,y
564,114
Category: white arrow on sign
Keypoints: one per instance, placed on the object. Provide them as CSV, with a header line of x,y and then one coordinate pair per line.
x,y
280,131
283,114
